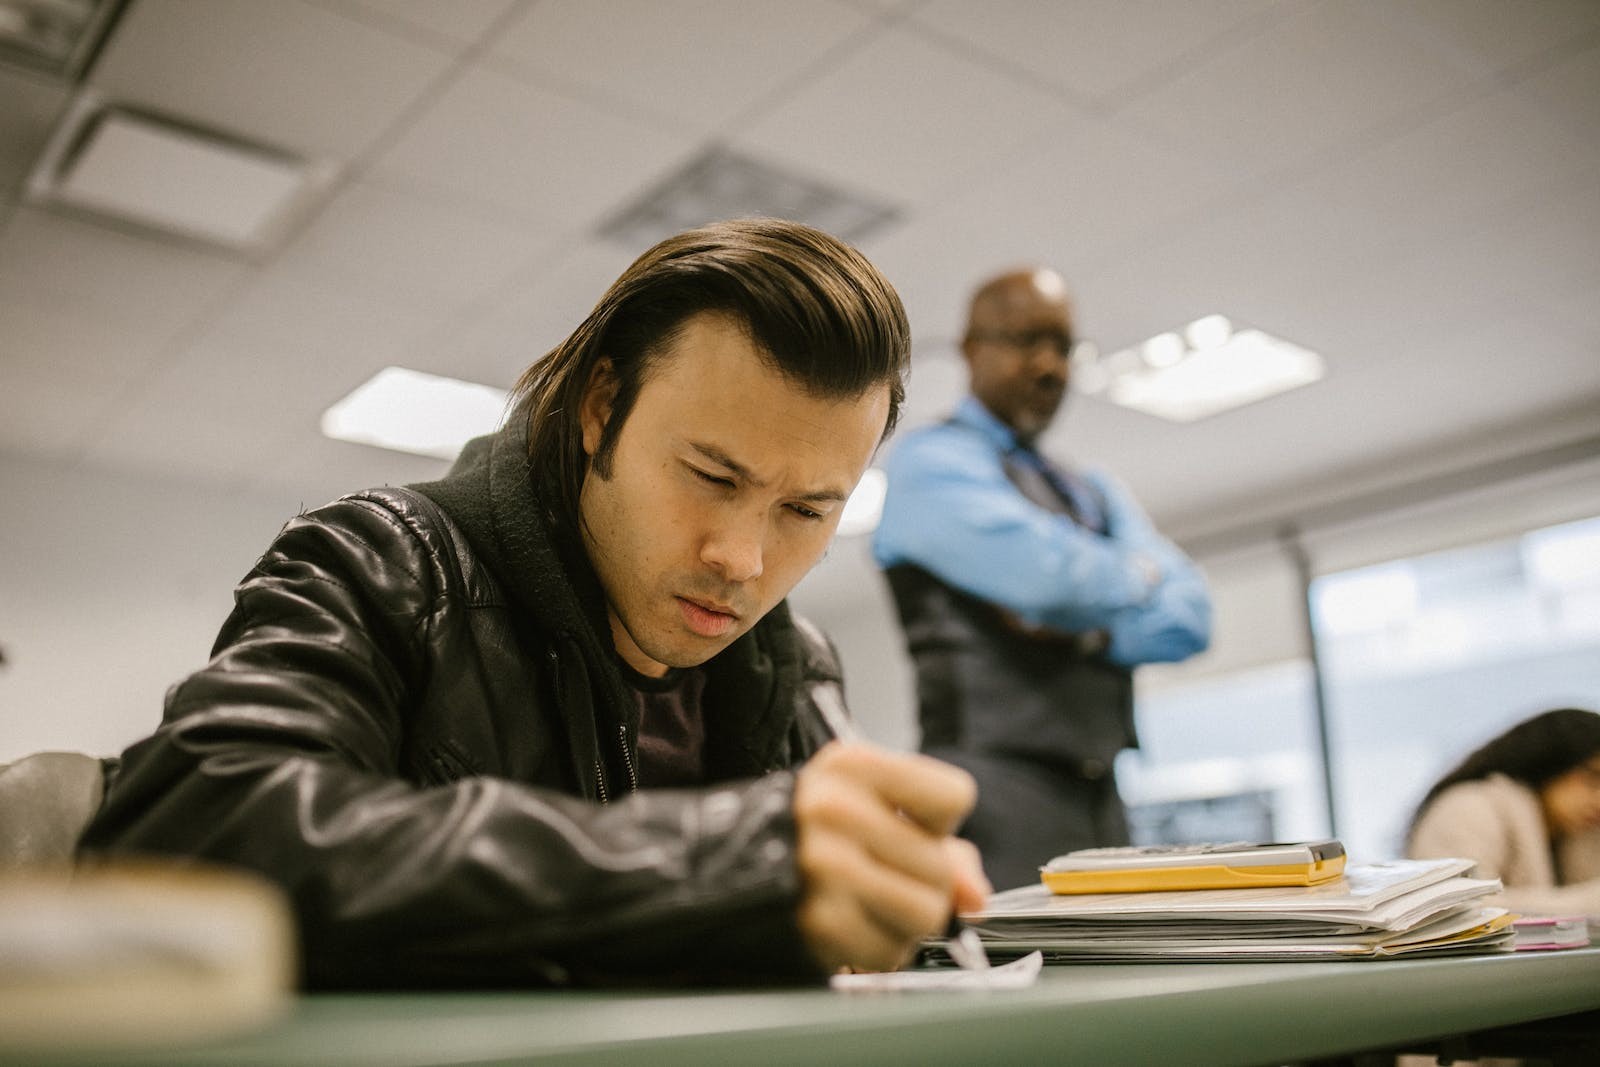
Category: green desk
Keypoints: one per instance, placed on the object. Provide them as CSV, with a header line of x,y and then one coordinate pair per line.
x,y
1105,1015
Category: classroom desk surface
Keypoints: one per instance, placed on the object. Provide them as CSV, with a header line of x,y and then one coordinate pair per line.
x,y
1134,1014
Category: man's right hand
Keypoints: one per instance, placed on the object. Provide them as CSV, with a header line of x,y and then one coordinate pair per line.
x,y
881,869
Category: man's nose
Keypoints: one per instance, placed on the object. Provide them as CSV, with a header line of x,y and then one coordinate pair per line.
x,y
735,547
1049,360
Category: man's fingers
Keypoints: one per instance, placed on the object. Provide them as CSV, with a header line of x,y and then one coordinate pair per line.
x,y
904,905
879,868
842,934
972,887
930,792
887,836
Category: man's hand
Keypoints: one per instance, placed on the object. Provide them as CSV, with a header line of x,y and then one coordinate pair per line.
x,y
881,870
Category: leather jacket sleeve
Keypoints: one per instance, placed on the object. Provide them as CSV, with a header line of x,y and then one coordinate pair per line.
x,y
288,754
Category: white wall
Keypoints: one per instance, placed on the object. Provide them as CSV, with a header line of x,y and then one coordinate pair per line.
x,y
111,589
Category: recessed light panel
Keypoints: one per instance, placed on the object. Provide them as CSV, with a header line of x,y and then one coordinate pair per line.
x,y
162,175
1206,368
410,411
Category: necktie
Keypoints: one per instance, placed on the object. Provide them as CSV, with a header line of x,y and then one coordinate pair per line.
x,y
1077,496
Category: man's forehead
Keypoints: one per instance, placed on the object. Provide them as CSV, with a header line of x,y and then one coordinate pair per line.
x,y
1031,294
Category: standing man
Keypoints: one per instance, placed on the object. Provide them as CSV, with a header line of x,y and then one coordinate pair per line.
x,y
549,719
1028,592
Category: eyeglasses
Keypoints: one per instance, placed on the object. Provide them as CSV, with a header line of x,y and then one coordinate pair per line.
x,y
1059,341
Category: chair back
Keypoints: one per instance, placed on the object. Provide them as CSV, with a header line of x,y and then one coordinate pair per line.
x,y
46,801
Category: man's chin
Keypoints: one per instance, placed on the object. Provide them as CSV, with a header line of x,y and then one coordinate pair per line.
x,y
694,650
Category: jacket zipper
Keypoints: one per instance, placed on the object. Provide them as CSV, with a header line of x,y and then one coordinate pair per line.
x,y
627,764
627,758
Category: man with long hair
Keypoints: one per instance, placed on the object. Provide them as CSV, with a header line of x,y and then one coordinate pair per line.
x,y
548,719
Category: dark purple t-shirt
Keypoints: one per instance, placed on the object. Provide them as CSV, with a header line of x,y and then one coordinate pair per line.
x,y
672,731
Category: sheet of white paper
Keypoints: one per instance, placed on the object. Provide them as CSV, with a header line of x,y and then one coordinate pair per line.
x,y
1018,974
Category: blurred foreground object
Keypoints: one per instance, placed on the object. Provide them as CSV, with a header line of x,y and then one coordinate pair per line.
x,y
138,955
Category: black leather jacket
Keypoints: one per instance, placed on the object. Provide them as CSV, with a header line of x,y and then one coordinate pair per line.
x,y
414,723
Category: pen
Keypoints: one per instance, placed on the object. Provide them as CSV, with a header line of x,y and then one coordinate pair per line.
x,y
961,940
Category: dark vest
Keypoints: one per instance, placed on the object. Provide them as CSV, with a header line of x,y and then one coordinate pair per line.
x,y
986,683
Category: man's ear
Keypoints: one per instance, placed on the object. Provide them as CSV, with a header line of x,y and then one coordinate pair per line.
x,y
594,411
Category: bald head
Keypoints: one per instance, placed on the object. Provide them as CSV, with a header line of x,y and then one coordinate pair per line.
x,y
1019,334
1003,295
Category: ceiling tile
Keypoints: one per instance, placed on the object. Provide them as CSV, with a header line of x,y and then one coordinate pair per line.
x,y
538,311
389,242
1366,209
1082,192
1096,49
1305,87
459,21
287,74
134,279
42,416
904,117
1568,92
702,62
286,332
47,337
1503,35
213,443
30,109
529,151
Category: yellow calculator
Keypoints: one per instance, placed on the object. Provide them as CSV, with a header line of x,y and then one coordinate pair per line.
x,y
1234,865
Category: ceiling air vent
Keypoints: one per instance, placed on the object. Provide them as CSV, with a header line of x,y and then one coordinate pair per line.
x,y
718,184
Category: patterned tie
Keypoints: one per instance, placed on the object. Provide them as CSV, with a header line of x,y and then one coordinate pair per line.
x,y
1082,503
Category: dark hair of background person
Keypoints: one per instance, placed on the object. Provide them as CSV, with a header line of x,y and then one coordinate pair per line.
x,y
1533,752
814,306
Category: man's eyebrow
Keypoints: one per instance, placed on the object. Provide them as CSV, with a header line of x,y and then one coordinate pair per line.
x,y
744,474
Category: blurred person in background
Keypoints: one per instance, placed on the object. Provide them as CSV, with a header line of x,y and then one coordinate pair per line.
x,y
1028,591
1526,807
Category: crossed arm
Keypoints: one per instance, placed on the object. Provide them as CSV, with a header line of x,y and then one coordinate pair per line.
x,y
952,511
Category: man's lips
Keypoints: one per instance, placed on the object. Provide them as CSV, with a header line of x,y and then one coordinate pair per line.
x,y
707,620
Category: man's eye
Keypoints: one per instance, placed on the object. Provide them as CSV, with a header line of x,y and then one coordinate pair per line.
x,y
806,513
712,479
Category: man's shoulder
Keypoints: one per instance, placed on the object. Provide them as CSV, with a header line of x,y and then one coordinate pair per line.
x,y
380,512
386,529
942,444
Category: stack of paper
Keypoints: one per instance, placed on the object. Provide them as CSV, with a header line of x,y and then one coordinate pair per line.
x,y
1404,907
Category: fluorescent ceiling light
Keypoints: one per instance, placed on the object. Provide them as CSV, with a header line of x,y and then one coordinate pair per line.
x,y
409,411
1206,368
163,175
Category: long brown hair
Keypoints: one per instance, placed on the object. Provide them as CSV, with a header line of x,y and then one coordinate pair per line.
x,y
814,306
1533,752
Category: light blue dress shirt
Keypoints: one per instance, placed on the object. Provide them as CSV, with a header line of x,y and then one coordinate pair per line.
x,y
952,510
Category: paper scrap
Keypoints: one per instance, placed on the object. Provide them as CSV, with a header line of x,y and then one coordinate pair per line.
x,y
1018,974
